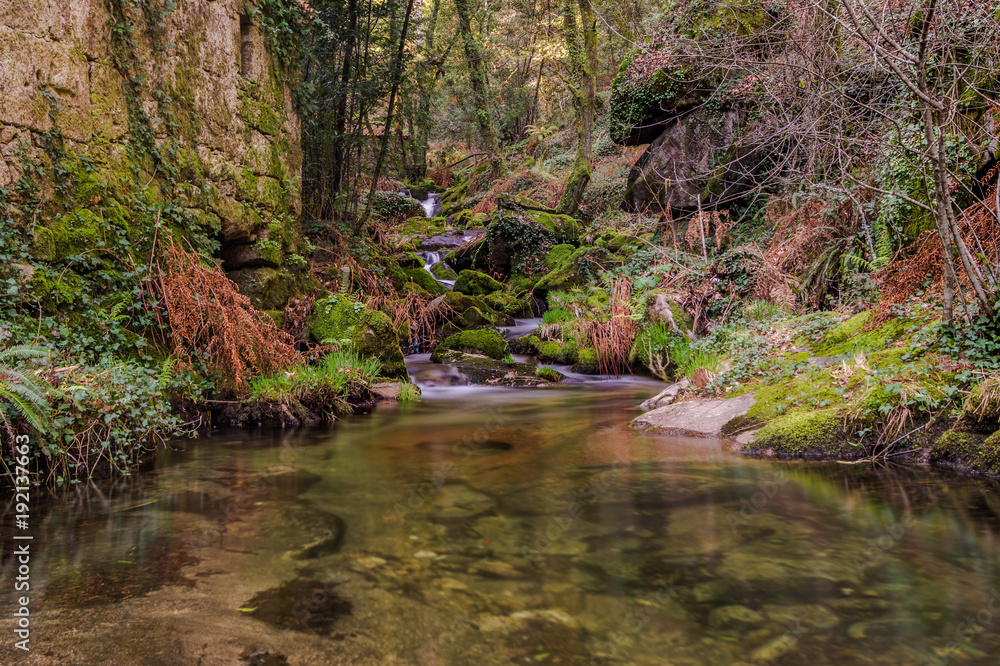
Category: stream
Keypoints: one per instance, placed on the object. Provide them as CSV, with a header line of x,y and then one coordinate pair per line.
x,y
504,526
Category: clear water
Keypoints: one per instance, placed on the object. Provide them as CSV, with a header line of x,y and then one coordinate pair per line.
x,y
502,527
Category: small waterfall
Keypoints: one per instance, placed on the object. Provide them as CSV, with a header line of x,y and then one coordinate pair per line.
x,y
430,204
432,258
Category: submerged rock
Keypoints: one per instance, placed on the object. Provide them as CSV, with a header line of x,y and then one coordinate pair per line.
x,y
699,418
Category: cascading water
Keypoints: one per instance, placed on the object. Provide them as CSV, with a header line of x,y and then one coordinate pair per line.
x,y
430,260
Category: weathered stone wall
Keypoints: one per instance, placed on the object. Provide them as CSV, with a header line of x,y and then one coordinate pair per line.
x,y
145,103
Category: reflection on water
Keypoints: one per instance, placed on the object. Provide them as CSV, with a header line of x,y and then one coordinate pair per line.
x,y
490,526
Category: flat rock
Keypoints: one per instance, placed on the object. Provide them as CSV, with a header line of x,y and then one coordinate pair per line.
x,y
665,397
698,418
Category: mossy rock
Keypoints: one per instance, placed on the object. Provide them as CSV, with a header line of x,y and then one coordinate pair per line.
x,y
564,229
475,318
461,302
987,458
804,434
67,235
953,446
424,280
369,332
462,258
557,255
508,304
564,353
474,283
442,271
568,273
586,362
486,342
267,288
409,260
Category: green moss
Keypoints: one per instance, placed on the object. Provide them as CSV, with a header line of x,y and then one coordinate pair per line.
x,y
598,298
557,255
508,304
987,458
952,446
567,273
424,280
475,318
564,229
460,302
67,235
818,433
278,316
408,260
548,374
474,283
442,271
340,320
772,399
850,336
586,362
485,342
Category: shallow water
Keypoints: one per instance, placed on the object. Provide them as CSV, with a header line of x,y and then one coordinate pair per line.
x,y
498,526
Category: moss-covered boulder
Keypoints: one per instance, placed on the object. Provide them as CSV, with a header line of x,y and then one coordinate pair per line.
x,y
485,342
462,302
804,434
442,271
340,320
474,283
953,446
461,258
571,271
424,280
563,228
508,304
987,458
409,260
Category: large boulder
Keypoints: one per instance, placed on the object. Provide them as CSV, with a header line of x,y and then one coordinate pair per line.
x,y
341,320
516,242
474,283
698,153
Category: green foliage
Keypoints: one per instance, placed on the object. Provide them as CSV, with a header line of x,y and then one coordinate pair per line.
x,y
333,376
21,391
110,416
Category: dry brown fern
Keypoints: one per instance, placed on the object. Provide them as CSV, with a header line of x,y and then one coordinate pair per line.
x,y
612,340
209,318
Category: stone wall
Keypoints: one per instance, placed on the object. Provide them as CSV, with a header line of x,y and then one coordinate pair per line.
x,y
117,108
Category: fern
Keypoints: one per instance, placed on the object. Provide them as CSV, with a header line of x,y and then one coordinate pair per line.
x,y
26,393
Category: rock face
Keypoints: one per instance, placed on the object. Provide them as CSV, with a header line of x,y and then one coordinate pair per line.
x,y
700,418
682,161
192,112
665,397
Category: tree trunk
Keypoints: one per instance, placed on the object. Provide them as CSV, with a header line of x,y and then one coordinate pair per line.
x,y
582,50
477,77
397,75
427,75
